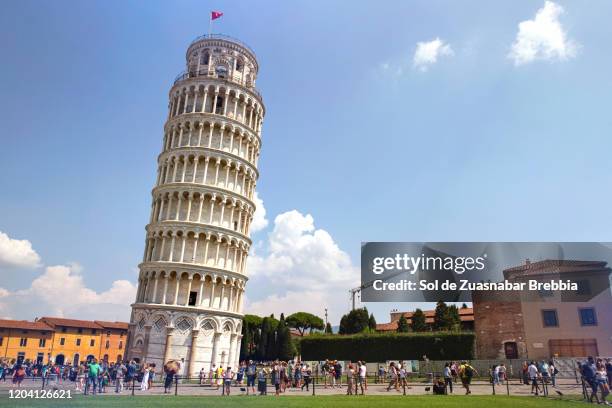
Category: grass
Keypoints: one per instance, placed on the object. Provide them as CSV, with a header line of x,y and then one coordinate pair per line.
x,y
335,401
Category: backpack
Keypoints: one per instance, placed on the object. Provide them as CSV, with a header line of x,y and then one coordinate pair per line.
x,y
588,371
469,371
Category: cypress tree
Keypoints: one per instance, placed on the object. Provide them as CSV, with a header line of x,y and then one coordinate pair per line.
x,y
283,340
441,316
372,322
262,347
418,321
402,325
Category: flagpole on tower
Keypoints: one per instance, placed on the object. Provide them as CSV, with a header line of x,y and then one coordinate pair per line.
x,y
213,16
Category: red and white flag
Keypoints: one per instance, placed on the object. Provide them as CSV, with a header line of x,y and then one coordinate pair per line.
x,y
215,15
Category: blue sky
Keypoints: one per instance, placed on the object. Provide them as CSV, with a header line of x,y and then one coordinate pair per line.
x,y
373,146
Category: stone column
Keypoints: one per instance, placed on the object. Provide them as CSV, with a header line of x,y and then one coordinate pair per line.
x,y
201,127
168,347
200,208
205,100
161,250
145,346
176,289
230,360
195,168
165,289
195,248
201,291
154,300
189,282
237,351
206,160
193,353
215,349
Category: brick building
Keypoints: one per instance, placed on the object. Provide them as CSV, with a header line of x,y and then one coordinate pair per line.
x,y
545,323
465,314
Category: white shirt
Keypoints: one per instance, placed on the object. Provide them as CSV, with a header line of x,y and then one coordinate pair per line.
x,y
362,371
533,371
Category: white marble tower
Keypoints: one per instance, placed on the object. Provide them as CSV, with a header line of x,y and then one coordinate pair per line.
x,y
192,279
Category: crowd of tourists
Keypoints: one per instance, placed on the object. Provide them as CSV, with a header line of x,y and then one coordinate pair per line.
x,y
94,377
89,377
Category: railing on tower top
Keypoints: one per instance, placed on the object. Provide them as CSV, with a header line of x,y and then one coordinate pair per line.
x,y
223,37
206,73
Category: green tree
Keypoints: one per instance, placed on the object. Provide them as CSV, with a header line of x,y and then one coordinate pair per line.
x,y
262,347
251,334
328,328
372,322
402,325
464,306
418,321
302,321
453,319
271,350
343,325
356,321
285,349
441,317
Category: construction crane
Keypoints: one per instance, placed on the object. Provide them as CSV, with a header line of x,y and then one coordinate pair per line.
x,y
353,292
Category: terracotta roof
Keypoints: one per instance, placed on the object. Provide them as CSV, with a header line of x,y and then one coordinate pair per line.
x,y
57,321
392,326
24,324
112,325
465,314
553,266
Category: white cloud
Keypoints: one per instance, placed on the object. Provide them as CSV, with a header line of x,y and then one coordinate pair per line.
x,y
427,53
61,291
307,268
17,253
259,219
542,38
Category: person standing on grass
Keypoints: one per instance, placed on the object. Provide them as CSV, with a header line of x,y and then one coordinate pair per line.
x,y
120,370
93,369
350,375
251,372
228,375
362,376
533,373
467,372
448,377
502,373
262,385
553,373
211,374
393,375
307,373
276,378
219,376
144,384
201,376
240,373
544,370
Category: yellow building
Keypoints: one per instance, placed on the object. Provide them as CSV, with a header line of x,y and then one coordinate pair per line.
x,y
62,340
23,340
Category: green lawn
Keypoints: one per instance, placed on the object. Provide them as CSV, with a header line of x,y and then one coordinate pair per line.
x,y
334,401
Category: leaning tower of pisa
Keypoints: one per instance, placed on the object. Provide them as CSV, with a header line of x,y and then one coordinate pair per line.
x,y
191,285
